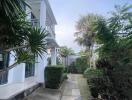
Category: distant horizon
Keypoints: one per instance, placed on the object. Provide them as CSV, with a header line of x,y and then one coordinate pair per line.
x,y
67,13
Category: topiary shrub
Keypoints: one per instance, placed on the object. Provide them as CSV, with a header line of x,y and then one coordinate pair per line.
x,y
53,76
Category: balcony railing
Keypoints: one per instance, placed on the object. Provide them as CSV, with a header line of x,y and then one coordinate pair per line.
x,y
51,31
35,22
3,78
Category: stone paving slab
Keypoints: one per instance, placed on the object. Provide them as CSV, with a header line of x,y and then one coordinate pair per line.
x,y
44,94
71,89
71,98
76,92
71,84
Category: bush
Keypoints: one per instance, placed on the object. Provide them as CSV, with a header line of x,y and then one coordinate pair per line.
x,y
72,68
94,92
81,64
100,86
120,77
53,76
98,83
66,70
93,73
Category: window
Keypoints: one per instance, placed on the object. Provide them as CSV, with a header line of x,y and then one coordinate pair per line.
x,y
29,70
32,16
4,78
4,62
1,62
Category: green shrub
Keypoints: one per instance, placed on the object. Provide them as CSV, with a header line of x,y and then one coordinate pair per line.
x,y
53,76
72,68
81,64
66,70
100,86
98,82
94,92
93,73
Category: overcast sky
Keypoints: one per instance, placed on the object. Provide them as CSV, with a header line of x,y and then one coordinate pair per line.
x,y
68,12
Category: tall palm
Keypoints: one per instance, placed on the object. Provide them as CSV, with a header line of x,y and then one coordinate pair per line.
x,y
84,35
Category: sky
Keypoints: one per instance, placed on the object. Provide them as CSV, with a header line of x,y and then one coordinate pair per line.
x,y
68,12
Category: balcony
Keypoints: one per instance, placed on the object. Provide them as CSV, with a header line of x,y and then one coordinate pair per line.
x,y
51,31
35,22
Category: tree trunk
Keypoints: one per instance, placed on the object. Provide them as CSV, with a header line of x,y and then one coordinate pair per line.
x,y
89,56
67,60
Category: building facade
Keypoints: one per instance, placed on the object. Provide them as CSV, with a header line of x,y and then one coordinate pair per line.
x,y
39,15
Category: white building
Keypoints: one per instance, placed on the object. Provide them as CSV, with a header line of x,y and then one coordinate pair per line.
x,y
25,76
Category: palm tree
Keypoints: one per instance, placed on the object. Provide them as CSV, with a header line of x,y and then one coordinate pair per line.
x,y
65,52
84,35
17,35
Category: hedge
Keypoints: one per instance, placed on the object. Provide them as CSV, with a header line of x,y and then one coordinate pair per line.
x,y
53,76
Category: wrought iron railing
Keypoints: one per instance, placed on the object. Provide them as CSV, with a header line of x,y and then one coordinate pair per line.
x,y
4,78
51,31
29,70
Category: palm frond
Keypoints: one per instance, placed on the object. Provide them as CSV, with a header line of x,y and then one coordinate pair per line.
x,y
36,40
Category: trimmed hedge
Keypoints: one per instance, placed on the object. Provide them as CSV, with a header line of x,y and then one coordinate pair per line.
x,y
53,76
64,77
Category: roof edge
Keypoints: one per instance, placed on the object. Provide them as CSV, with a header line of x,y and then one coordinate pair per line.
x,y
50,10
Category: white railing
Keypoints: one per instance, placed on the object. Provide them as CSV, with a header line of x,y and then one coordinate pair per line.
x,y
35,22
51,31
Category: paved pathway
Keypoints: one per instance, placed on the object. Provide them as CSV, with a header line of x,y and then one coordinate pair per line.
x,y
44,94
84,88
71,89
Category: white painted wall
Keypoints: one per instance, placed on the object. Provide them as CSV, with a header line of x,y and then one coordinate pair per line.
x,y
11,72
16,74
42,62
10,76
19,73
42,14
53,56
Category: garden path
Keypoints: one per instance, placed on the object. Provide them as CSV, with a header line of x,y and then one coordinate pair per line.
x,y
76,88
